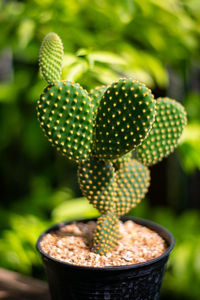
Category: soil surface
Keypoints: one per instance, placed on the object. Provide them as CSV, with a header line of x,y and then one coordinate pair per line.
x,y
72,244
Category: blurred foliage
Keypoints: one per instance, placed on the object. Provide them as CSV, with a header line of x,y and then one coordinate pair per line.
x,y
190,146
74,209
137,37
17,244
103,39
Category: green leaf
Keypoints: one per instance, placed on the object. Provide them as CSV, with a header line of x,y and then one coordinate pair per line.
x,y
190,148
106,57
74,71
74,209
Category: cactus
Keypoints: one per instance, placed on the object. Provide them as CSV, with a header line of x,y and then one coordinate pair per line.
x,y
113,133
96,95
97,182
65,112
133,180
51,56
167,129
125,116
107,233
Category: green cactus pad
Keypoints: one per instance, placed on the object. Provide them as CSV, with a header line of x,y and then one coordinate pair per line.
x,y
51,57
133,180
65,113
125,116
165,134
106,234
97,183
96,95
122,159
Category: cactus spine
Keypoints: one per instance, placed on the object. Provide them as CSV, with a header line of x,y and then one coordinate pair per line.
x,y
99,130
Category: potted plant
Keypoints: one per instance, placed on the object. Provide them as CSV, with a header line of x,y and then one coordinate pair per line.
x,y
113,133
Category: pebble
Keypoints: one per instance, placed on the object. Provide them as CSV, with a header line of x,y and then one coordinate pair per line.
x,y
72,244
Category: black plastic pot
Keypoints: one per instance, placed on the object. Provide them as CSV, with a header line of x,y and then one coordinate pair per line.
x,y
133,282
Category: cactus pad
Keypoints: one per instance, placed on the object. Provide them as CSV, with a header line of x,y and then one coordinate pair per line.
x,y
106,234
125,115
51,57
112,193
124,158
96,95
165,134
97,183
65,113
133,180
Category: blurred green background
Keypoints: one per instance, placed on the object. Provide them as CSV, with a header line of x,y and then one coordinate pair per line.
x,y
157,42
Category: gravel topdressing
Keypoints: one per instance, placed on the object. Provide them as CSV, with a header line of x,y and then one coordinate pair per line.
x,y
72,244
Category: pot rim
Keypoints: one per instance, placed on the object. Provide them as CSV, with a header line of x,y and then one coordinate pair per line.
x,y
162,231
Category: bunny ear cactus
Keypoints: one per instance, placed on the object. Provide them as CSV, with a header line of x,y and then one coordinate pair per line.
x,y
167,129
65,112
97,182
125,116
96,95
99,131
113,190
51,57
